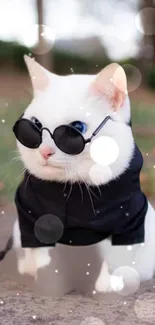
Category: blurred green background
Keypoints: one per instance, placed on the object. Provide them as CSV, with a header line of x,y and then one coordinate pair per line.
x,y
86,51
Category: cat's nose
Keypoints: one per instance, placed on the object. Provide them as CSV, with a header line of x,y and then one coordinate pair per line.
x,y
46,151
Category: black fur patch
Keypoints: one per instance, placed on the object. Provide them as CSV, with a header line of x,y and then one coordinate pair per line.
x,y
7,248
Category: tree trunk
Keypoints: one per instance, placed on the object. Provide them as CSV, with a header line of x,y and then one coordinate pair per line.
x,y
147,48
147,52
43,58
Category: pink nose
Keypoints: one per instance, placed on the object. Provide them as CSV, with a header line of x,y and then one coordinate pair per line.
x,y
46,151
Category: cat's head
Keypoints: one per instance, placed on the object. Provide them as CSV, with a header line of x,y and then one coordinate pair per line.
x,y
60,100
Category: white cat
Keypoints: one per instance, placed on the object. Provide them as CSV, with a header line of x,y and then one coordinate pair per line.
x,y
88,98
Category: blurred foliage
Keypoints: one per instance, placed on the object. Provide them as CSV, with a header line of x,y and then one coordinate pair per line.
x,y
141,115
63,63
147,182
150,78
10,167
12,53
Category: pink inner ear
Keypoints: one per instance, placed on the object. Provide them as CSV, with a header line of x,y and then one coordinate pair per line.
x,y
39,79
95,89
118,98
111,83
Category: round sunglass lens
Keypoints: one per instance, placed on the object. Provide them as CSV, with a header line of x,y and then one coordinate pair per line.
x,y
27,134
68,140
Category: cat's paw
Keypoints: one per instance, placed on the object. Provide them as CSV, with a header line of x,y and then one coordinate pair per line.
x,y
117,283
109,283
42,257
33,260
28,267
103,284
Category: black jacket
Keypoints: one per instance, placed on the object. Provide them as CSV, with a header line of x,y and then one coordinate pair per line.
x,y
116,210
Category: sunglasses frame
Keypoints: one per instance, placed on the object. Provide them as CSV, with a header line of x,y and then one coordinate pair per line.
x,y
85,141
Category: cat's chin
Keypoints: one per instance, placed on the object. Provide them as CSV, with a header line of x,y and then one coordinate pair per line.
x,y
49,173
51,165
52,169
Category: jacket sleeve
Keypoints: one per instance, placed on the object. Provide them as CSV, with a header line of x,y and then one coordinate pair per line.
x,y
27,219
132,229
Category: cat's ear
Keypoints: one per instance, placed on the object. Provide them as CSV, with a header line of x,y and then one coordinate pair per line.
x,y
111,82
40,77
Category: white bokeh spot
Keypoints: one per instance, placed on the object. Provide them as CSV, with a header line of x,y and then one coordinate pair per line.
x,y
29,36
104,150
48,228
100,174
146,17
129,248
133,75
130,278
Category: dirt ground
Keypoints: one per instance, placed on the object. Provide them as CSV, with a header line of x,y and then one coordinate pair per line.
x,y
66,297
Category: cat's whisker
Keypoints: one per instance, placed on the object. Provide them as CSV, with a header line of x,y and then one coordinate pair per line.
x,y
71,185
21,174
14,181
70,191
17,156
66,170
88,190
15,151
87,186
73,170
65,183
80,190
27,180
8,174
14,160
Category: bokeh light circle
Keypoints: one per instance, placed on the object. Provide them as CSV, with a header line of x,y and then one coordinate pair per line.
x,y
145,307
48,229
145,21
148,52
133,75
130,278
104,150
100,174
39,38
92,321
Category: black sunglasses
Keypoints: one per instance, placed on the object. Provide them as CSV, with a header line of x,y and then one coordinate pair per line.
x,y
66,137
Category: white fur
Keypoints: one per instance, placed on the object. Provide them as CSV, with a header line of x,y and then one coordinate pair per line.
x,y
16,235
60,103
143,256
33,259
107,282
53,110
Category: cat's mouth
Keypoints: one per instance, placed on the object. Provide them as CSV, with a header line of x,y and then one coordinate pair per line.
x,y
58,165
55,166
